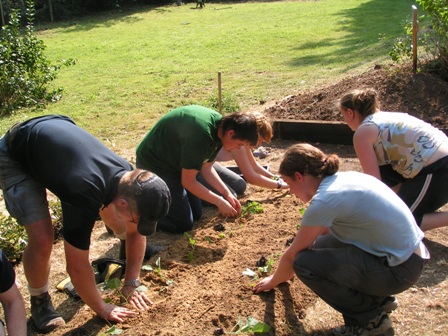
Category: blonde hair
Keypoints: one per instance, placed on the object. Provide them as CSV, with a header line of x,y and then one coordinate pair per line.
x,y
365,102
264,127
307,159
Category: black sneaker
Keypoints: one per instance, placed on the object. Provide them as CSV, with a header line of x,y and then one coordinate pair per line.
x,y
376,326
389,304
43,314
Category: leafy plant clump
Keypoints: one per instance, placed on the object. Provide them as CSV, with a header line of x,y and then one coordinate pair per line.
x,y
229,104
250,325
13,238
25,73
252,207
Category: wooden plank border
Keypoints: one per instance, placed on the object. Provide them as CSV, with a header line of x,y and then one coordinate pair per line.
x,y
333,132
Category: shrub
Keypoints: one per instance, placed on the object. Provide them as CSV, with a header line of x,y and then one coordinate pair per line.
x,y
433,36
24,70
13,238
229,103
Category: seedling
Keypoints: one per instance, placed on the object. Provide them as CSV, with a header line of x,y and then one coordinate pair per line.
x,y
157,270
169,283
252,207
266,266
208,239
113,331
253,275
221,235
192,243
251,325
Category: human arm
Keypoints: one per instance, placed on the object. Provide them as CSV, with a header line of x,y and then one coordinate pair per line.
x,y
135,252
14,309
83,279
304,239
363,141
253,172
228,205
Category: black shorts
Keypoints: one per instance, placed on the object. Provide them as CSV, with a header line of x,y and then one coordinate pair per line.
x,y
426,192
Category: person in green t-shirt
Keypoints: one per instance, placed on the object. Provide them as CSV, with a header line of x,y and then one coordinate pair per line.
x,y
185,142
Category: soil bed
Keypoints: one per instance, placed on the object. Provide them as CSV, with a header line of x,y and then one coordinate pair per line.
x,y
197,297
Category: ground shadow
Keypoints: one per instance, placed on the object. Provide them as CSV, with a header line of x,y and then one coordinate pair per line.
x,y
286,300
435,270
91,327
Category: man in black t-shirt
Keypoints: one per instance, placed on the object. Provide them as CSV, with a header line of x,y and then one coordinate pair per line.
x,y
11,300
51,152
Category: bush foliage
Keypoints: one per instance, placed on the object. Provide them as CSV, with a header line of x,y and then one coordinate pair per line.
x,y
432,36
13,237
25,73
57,10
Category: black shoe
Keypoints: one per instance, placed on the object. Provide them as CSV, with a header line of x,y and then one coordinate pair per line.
x,y
389,304
151,250
43,314
376,326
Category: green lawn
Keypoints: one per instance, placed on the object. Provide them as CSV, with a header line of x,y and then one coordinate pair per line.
x,y
133,66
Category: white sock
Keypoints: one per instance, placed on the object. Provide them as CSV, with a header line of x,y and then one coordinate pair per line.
x,y
38,291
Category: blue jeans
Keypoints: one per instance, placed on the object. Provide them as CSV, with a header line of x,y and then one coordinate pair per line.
x,y
185,208
351,280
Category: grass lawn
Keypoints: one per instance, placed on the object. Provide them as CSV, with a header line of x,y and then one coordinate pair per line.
x,y
135,64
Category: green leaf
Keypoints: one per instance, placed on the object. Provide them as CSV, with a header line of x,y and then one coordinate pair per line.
x,y
142,288
114,331
147,268
112,283
255,326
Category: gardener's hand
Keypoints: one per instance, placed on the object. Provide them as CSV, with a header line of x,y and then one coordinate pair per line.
x,y
136,298
116,314
264,285
235,204
227,209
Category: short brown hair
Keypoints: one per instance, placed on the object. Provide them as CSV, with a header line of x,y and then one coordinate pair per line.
x,y
243,124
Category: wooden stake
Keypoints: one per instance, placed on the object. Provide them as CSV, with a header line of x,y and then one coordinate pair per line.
x,y
1,10
50,8
414,38
219,93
